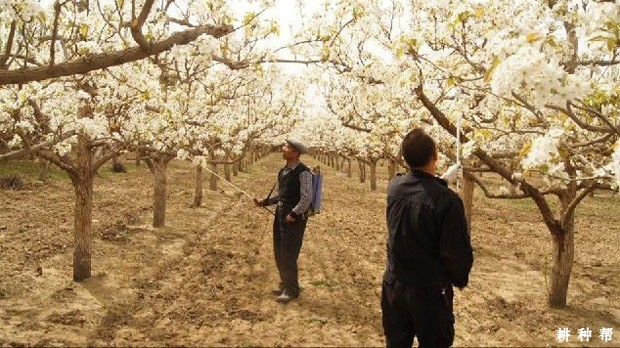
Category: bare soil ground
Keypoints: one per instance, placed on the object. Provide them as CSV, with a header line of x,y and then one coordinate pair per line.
x,y
204,278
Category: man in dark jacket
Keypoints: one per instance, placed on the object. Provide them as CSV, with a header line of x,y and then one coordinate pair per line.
x,y
293,199
428,251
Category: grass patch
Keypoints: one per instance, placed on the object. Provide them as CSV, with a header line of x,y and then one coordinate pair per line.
x,y
317,319
30,169
322,282
605,200
528,203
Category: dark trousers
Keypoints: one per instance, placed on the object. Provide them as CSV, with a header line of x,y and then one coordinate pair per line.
x,y
415,311
287,240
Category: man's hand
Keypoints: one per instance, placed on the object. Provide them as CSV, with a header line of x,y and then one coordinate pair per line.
x,y
289,218
258,203
453,173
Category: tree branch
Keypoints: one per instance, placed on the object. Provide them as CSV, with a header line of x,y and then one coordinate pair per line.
x,y
63,163
547,215
599,62
294,61
8,47
354,127
582,194
136,26
599,115
42,120
569,112
488,193
530,107
178,21
340,31
103,159
104,60
21,152
57,8
602,139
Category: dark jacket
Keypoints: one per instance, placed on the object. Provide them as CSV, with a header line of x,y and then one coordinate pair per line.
x,y
428,241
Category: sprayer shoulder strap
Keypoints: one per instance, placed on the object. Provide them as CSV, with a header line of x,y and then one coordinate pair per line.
x,y
274,185
270,192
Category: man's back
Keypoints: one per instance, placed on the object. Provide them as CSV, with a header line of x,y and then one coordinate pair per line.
x,y
428,251
428,241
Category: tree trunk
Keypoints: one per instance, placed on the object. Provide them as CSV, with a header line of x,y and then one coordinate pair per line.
x,y
373,176
138,159
198,189
235,167
391,169
117,165
467,195
511,188
83,187
227,173
362,167
563,254
349,173
159,199
43,169
213,178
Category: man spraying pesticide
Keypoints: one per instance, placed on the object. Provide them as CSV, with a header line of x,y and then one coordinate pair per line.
x,y
293,201
298,197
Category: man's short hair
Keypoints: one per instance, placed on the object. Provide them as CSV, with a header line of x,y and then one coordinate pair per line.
x,y
418,148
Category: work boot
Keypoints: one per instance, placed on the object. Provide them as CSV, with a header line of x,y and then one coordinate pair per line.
x,y
285,298
277,291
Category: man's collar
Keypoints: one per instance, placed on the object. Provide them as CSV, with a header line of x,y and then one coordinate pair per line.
x,y
422,174
292,165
